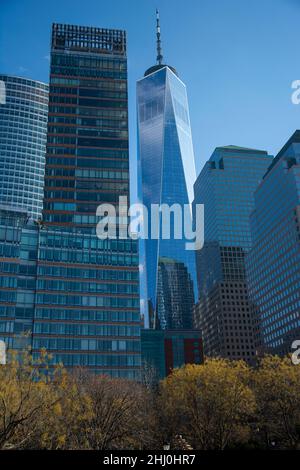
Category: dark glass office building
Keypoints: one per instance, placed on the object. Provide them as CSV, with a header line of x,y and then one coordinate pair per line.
x,y
226,187
273,264
166,172
23,133
86,298
175,287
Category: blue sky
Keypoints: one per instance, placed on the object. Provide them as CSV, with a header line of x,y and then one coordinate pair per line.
x,y
238,59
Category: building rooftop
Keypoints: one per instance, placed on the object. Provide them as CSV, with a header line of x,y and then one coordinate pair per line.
x,y
294,139
88,39
240,149
157,67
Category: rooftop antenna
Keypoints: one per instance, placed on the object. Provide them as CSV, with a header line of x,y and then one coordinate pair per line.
x,y
159,57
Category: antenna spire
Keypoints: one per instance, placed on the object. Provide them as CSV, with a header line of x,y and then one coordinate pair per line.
x,y
159,57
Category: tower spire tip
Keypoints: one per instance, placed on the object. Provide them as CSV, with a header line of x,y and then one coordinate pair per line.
x,y
159,57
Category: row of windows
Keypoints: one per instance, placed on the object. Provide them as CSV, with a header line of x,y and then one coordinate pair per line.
x,y
105,113
109,316
86,164
101,174
71,329
9,251
86,242
68,286
93,122
16,82
88,152
7,311
101,274
88,142
85,315
6,326
105,259
93,102
26,96
89,132
80,61
95,198
72,360
7,296
91,185
29,145
85,344
75,82
89,92
35,119
87,301
81,72
9,282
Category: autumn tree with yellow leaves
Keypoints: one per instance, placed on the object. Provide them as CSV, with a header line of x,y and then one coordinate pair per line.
x,y
276,384
211,404
40,406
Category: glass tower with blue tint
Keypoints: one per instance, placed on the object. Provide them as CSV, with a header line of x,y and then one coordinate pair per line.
x,y
23,134
166,173
226,187
273,264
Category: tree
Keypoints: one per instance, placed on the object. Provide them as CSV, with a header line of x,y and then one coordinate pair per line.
x,y
277,390
40,405
209,404
116,404
25,396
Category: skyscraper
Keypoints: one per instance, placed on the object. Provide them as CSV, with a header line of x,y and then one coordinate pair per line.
x,y
166,169
273,263
226,186
85,292
23,134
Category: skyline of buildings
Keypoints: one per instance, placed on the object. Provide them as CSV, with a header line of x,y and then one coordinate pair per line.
x,y
64,289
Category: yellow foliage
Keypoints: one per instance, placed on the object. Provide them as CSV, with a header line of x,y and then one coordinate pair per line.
x,y
209,402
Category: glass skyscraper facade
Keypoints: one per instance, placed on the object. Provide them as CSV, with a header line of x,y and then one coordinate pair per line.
x,y
175,288
273,264
23,133
86,290
18,267
226,187
166,172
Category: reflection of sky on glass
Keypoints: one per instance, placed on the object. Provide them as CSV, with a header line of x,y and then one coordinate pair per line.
x,y
166,163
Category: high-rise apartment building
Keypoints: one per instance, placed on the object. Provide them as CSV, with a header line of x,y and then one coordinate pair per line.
x,y
273,263
86,293
166,172
23,133
226,186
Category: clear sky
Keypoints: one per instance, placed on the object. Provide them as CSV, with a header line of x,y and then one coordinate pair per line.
x,y
237,58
